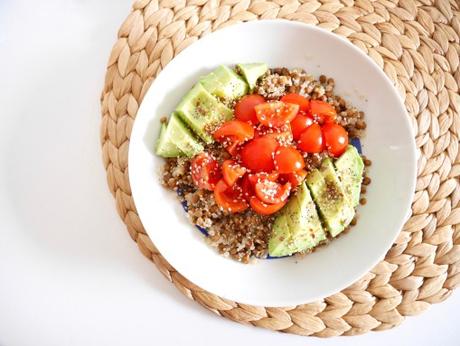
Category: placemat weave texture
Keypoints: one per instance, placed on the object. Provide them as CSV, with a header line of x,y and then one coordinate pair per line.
x,y
417,44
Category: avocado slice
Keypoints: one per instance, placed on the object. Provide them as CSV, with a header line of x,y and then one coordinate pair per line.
x,y
350,168
252,72
202,112
280,243
297,227
164,145
177,140
335,208
224,83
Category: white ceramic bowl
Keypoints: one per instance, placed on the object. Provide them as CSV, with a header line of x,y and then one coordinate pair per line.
x,y
388,143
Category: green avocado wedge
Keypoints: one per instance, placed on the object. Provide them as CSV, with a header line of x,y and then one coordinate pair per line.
x,y
335,208
202,112
350,168
224,83
297,228
252,72
165,146
177,140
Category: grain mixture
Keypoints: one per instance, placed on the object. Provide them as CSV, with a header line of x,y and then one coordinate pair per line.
x,y
243,236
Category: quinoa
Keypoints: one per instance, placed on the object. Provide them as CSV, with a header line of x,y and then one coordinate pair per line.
x,y
245,235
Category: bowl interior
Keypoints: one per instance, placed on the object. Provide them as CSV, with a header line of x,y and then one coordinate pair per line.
x,y
388,143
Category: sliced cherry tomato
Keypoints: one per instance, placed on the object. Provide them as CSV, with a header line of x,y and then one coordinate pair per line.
x,y
229,199
244,108
247,187
323,111
205,171
235,129
283,134
297,100
336,138
276,113
232,171
255,178
233,146
265,209
311,140
295,178
257,155
300,123
272,192
288,160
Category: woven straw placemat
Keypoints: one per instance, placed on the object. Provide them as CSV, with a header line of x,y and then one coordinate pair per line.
x,y
416,43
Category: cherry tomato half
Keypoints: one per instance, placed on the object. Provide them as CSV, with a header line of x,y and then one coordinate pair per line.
x,y
235,129
255,178
232,145
288,160
323,111
229,199
336,138
297,100
276,113
247,187
271,192
244,108
311,140
232,171
295,178
205,171
257,155
300,123
265,209
283,134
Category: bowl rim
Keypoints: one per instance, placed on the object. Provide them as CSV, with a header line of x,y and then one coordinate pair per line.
x,y
404,122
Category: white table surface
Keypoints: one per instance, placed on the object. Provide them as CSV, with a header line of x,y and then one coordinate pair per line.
x,y
69,272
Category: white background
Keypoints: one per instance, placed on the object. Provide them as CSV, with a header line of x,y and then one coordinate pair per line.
x,y
69,272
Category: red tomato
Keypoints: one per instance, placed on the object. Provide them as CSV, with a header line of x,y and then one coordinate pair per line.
x,y
297,100
299,124
257,155
324,111
265,209
234,129
244,108
205,171
276,113
295,178
272,192
229,199
311,140
247,187
255,178
288,160
336,138
283,134
232,171
233,146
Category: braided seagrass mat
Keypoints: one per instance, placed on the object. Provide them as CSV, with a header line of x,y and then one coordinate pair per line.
x,y
417,44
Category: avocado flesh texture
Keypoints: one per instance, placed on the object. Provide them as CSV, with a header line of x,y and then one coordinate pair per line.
x,y
335,208
224,83
350,168
252,72
202,112
280,243
177,135
297,227
164,146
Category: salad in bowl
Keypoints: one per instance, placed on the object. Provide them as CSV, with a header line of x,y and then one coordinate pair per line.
x,y
266,161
